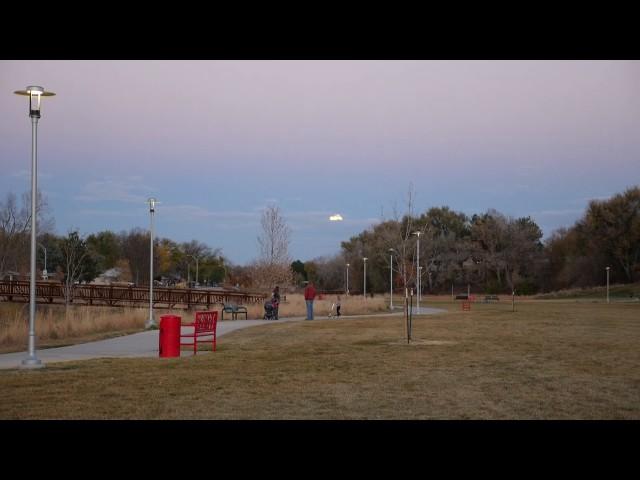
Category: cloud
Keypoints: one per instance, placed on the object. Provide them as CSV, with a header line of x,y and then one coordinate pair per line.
x,y
27,174
562,212
127,190
586,200
190,212
108,213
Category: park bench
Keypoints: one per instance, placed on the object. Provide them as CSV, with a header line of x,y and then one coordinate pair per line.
x,y
204,326
234,310
491,298
463,296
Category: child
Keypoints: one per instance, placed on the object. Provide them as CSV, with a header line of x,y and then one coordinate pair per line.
x,y
338,306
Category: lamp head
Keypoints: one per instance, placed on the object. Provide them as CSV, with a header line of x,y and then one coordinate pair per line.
x,y
34,93
152,204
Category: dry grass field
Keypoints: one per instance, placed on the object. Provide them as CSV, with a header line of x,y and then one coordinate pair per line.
x,y
547,360
57,326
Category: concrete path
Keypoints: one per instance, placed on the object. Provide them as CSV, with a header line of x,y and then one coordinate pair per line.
x,y
145,344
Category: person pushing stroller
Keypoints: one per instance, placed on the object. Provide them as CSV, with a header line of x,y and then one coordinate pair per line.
x,y
271,306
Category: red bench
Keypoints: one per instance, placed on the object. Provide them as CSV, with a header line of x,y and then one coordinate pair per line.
x,y
204,326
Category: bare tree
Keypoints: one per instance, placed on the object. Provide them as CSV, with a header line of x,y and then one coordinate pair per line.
x,y
274,265
400,237
15,227
74,251
275,238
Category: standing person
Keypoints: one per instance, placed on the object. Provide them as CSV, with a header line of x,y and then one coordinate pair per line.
x,y
309,296
338,306
275,300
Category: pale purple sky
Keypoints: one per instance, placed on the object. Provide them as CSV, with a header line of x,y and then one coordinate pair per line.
x,y
216,141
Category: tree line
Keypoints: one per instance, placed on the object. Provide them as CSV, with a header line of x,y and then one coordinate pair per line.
x,y
488,252
76,258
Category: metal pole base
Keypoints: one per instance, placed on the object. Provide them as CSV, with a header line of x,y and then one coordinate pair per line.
x,y
31,363
150,323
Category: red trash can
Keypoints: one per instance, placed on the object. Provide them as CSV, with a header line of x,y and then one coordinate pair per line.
x,y
170,335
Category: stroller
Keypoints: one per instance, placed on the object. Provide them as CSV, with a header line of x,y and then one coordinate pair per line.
x,y
271,310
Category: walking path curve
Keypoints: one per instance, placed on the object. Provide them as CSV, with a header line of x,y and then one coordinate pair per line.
x,y
145,344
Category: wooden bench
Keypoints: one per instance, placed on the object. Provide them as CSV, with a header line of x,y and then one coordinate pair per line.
x,y
491,298
204,326
234,310
462,296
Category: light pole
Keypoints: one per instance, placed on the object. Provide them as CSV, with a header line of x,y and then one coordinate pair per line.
x,y
196,259
347,292
419,283
365,277
418,268
152,208
391,250
45,274
225,273
35,94
608,268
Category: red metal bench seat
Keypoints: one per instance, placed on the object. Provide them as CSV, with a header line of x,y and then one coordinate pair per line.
x,y
204,326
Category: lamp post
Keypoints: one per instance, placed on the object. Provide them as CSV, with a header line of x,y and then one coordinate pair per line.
x,y
419,283
365,277
225,273
196,259
152,208
391,250
418,268
45,275
608,268
347,289
35,94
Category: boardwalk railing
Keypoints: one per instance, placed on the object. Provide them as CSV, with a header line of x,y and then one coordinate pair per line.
x,y
120,296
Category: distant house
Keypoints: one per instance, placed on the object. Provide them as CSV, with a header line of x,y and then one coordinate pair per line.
x,y
469,263
10,275
108,277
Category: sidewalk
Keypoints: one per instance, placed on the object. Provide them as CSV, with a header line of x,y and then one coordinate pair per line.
x,y
145,344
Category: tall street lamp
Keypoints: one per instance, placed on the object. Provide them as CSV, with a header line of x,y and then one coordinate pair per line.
x,y
152,208
418,268
608,268
45,274
347,289
365,277
225,273
391,250
35,94
196,259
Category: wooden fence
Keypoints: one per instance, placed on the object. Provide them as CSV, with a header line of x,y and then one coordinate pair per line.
x,y
121,296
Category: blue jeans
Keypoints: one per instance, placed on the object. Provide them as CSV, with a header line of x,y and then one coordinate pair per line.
x,y
309,309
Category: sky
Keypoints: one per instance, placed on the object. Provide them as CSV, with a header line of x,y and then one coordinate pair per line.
x,y
217,141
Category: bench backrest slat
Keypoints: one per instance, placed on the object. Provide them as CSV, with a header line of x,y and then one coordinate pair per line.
x,y
206,321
